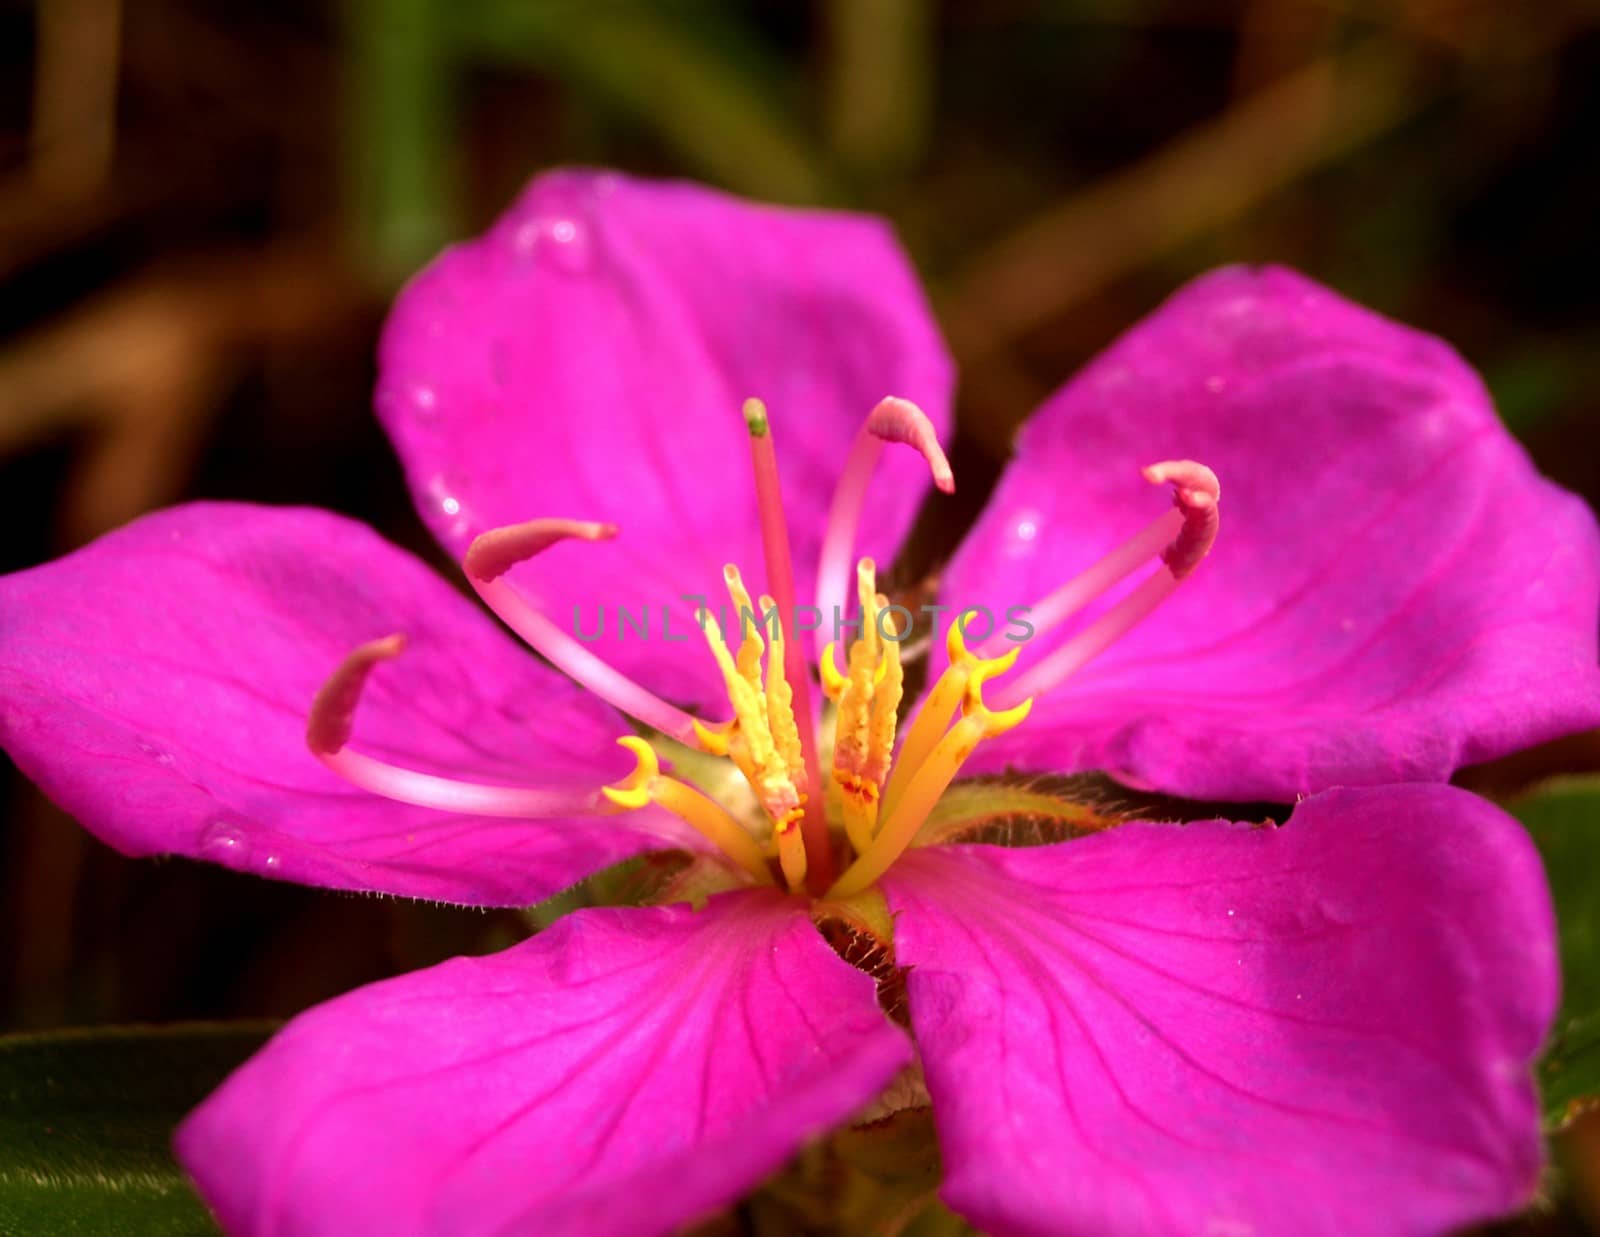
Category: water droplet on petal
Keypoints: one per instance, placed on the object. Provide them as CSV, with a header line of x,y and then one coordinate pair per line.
x,y
446,496
1022,535
558,240
225,843
272,863
1216,383
425,401
163,758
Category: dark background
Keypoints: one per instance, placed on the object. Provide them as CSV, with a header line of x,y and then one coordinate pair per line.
x,y
205,205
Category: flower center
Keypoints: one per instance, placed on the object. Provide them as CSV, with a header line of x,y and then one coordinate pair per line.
x,y
880,800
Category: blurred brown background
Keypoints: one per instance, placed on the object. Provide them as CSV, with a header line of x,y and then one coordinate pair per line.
x,y
204,206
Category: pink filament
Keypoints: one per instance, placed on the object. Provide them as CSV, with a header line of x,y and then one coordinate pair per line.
x,y
495,552
1181,538
328,730
1092,640
780,582
449,795
1090,583
893,420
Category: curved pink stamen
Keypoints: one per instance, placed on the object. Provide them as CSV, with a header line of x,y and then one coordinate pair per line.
x,y
334,708
1196,492
899,420
328,730
495,552
892,420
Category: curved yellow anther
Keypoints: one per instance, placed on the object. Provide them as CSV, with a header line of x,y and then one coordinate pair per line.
x,y
834,680
950,693
955,644
646,785
634,790
972,703
748,623
715,739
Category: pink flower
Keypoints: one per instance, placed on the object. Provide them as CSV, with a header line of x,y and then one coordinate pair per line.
x,y
1320,1027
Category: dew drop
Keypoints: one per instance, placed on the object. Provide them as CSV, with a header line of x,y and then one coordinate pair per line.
x,y
425,401
1216,383
1022,535
160,757
446,495
272,863
560,241
225,843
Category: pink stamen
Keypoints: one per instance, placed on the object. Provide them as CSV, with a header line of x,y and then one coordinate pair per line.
x,y
780,583
494,553
893,420
1195,494
1181,537
328,730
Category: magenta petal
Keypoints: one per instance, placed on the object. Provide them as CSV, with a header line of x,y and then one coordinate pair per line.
x,y
1321,1028
1394,592
587,359
626,1071
156,685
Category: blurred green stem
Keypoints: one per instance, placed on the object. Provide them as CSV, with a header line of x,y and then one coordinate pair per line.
x,y
399,125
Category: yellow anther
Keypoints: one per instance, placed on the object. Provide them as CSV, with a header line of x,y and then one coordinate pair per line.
x,y
867,595
749,623
955,644
634,790
715,739
780,706
886,695
948,695
833,679
972,703
916,787
646,785
763,739
792,849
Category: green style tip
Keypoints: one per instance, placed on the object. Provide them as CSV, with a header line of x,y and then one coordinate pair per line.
x,y
755,418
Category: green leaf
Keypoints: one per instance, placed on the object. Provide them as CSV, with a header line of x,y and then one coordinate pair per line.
x,y
1564,818
86,1121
